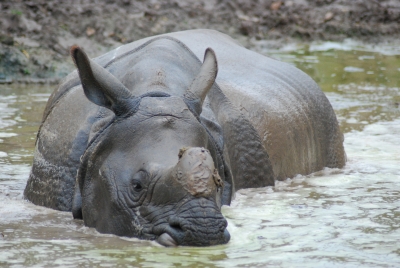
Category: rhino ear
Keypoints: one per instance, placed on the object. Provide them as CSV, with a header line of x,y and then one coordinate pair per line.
x,y
203,82
99,85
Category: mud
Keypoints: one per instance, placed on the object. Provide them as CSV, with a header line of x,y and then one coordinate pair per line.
x,y
35,36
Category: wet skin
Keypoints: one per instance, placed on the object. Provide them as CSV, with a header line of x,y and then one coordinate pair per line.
x,y
148,141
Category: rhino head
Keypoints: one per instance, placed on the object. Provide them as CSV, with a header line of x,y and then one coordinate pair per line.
x,y
150,172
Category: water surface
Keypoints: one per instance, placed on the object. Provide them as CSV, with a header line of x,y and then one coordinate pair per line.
x,y
336,217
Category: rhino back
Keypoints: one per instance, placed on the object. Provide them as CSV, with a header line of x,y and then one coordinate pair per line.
x,y
292,115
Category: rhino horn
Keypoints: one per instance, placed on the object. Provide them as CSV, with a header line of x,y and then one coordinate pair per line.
x,y
99,85
205,79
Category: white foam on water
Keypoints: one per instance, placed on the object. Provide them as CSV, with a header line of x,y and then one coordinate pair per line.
x,y
351,45
334,216
7,135
352,69
388,49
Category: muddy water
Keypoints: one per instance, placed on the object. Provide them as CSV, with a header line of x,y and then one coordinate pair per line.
x,y
347,217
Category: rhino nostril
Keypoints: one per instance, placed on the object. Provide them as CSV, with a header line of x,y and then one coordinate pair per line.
x,y
177,226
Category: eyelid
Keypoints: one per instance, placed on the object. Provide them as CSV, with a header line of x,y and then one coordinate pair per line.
x,y
136,181
140,175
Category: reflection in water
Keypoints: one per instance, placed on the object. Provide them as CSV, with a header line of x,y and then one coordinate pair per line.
x,y
330,218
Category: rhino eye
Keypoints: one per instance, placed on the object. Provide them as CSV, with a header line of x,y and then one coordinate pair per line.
x,y
137,186
138,181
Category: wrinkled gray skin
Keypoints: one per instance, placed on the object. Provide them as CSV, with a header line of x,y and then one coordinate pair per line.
x,y
161,141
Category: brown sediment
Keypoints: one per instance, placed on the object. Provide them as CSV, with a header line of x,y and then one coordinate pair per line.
x,y
35,36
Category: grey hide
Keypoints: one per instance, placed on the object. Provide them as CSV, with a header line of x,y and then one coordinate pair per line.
x,y
263,120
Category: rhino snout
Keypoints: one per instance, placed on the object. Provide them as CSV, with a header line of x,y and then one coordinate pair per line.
x,y
193,229
196,219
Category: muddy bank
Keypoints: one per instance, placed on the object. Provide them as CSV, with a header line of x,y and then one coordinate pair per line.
x,y
35,36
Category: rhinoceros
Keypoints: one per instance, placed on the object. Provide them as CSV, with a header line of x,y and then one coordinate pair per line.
x,y
148,141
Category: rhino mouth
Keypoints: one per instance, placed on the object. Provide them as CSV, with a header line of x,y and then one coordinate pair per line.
x,y
166,240
174,238
193,232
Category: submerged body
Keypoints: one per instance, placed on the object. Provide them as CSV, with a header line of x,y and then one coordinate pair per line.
x,y
161,141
